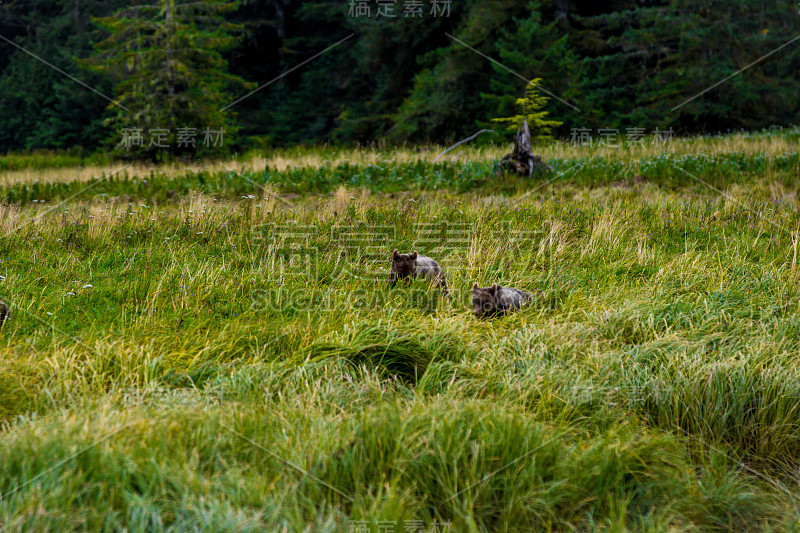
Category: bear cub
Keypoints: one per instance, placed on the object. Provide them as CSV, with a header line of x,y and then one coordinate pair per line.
x,y
496,301
413,265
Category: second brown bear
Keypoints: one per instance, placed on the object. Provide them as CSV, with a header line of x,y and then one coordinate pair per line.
x,y
413,265
497,301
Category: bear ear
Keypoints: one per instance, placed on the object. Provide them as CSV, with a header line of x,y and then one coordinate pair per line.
x,y
475,287
493,288
414,254
395,255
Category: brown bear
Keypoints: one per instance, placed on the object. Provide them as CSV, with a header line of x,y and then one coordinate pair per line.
x,y
413,265
5,313
496,301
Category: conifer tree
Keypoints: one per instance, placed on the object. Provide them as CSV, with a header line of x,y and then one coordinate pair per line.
x,y
532,107
531,47
172,84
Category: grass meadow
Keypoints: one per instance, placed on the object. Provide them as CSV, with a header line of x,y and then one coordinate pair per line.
x,y
215,348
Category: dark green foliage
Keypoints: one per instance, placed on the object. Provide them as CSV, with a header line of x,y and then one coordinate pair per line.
x,y
554,60
530,110
638,68
40,107
445,99
166,61
617,64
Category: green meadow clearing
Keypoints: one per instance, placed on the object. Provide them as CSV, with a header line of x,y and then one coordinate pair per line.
x,y
217,349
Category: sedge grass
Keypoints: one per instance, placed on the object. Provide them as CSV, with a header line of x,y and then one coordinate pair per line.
x,y
215,362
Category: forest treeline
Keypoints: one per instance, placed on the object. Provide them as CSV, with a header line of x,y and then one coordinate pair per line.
x,y
396,71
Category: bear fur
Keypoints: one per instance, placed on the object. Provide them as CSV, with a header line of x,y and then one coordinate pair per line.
x,y
496,301
413,265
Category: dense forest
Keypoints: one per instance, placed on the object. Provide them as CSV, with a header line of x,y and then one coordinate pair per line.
x,y
76,73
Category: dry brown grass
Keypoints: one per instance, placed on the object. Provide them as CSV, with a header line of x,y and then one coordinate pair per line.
x,y
768,145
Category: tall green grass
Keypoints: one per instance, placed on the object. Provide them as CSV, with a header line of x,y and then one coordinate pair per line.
x,y
205,361
42,159
700,172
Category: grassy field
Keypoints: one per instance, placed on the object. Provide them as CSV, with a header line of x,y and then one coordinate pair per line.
x,y
216,348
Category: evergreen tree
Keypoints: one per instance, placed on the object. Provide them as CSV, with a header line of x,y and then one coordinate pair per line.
x,y
532,107
642,61
172,85
265,26
611,64
445,101
39,106
303,106
532,48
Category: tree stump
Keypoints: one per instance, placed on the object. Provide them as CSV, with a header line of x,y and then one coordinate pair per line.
x,y
522,160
